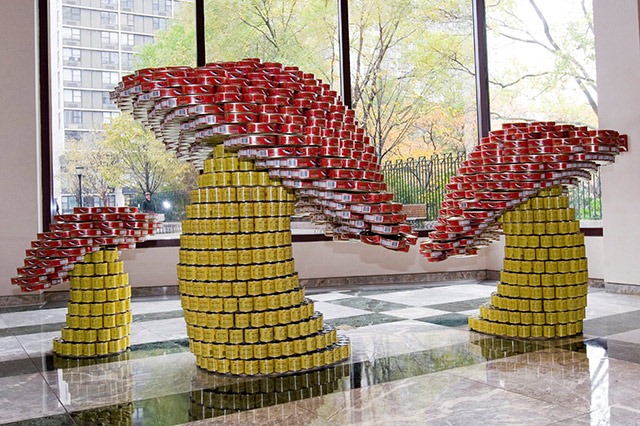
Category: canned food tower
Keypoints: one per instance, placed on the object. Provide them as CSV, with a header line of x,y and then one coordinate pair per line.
x,y
515,178
231,395
264,135
83,248
245,310
99,313
542,291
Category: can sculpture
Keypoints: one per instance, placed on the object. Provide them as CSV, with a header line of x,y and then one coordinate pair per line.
x,y
82,248
516,179
269,140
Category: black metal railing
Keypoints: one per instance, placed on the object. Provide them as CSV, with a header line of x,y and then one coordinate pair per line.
x,y
586,198
422,181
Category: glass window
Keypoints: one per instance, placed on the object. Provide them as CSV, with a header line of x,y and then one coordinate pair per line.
x,y
109,58
131,20
303,34
109,4
71,55
108,116
128,39
72,116
127,61
109,37
108,18
70,14
70,75
74,96
159,23
541,61
111,78
106,100
71,33
412,76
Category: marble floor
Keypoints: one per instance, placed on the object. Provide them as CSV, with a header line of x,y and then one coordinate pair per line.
x,y
414,362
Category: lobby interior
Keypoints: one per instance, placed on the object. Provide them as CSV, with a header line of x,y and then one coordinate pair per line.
x,y
414,359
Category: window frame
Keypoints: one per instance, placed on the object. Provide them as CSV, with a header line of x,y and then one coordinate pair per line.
x,y
48,204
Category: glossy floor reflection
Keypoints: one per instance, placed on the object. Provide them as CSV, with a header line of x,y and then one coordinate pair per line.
x,y
414,362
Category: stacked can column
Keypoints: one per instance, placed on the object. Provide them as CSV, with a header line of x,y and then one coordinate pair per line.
x,y
542,291
99,313
244,308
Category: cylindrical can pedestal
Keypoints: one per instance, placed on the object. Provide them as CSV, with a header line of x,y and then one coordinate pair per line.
x,y
542,291
245,311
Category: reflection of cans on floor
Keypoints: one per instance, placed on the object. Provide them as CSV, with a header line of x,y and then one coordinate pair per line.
x,y
240,394
119,387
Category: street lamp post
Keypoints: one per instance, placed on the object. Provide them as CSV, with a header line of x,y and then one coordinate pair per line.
x,y
79,170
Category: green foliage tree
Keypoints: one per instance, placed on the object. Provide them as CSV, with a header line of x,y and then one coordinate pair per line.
x,y
142,161
96,163
412,61
124,154
545,61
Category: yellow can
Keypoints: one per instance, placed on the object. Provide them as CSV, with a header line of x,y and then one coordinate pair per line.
x,y
271,255
274,350
260,350
96,309
281,365
243,241
269,286
260,304
266,334
236,336
243,272
257,271
228,274
109,321
245,304
222,335
258,319
226,320
271,318
280,332
266,366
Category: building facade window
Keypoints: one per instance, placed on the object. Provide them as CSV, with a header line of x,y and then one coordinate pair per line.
x,y
109,59
71,55
108,116
127,61
108,19
74,76
110,78
71,33
106,100
159,23
72,116
70,14
126,5
110,4
74,96
109,38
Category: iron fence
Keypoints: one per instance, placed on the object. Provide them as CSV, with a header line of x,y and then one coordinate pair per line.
x,y
421,181
586,198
